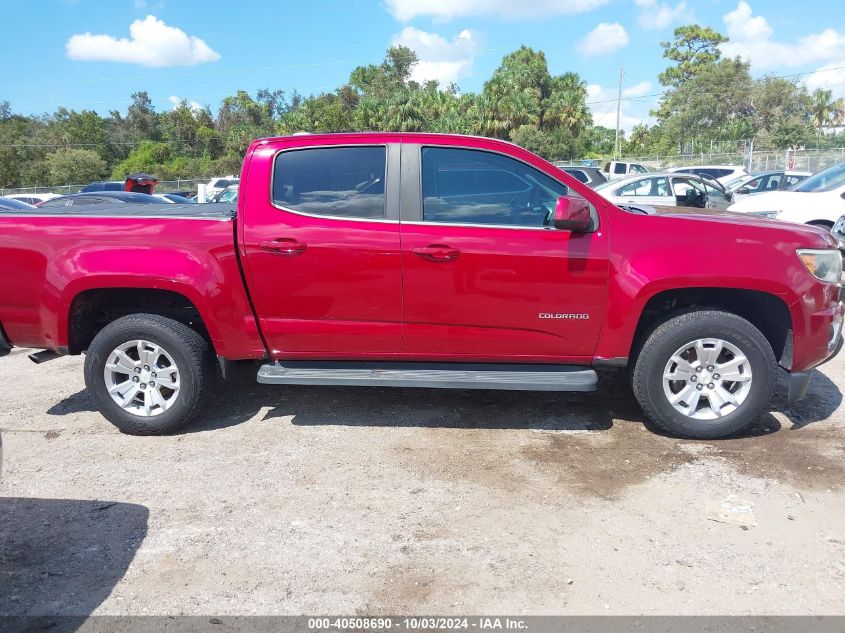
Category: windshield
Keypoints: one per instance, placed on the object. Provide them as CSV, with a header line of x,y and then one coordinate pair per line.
x,y
826,180
736,183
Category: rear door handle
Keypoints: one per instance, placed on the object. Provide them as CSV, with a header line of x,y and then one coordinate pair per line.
x,y
283,246
437,252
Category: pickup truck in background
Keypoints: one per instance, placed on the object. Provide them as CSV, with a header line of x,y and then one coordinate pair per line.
x,y
420,260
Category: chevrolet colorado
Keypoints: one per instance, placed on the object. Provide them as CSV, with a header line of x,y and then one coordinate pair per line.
x,y
420,260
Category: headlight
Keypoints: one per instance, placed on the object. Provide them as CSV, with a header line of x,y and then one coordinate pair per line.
x,y
824,264
766,214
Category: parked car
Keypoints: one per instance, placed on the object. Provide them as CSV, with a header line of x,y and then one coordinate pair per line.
x,y
174,198
218,184
667,190
722,173
619,169
112,185
11,204
590,176
508,273
33,198
102,198
766,181
229,194
818,200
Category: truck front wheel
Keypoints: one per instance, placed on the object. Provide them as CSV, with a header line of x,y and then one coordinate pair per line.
x,y
148,374
705,374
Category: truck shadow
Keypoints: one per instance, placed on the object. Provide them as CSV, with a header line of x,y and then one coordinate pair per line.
x,y
240,398
61,558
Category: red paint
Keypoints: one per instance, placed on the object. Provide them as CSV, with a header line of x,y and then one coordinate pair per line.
x,y
358,289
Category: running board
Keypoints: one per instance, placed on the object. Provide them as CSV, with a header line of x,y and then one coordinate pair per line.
x,y
431,375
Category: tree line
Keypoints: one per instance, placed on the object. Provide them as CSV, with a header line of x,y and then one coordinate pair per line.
x,y
704,98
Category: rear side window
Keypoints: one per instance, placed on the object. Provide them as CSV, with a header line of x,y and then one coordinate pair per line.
x,y
336,181
714,172
619,168
579,175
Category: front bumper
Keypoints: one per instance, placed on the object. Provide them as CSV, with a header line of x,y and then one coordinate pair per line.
x,y
799,381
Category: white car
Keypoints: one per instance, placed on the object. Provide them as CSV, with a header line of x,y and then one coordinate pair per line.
x,y
722,173
616,169
817,201
33,198
666,190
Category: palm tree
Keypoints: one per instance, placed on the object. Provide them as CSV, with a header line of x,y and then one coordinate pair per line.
x,y
838,113
823,109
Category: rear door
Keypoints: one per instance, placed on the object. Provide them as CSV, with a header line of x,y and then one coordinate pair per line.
x,y
485,275
321,236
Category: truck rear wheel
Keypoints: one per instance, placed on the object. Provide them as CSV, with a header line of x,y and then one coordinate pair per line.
x,y
148,374
705,374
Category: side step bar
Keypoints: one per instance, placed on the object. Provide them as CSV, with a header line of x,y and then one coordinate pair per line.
x,y
431,375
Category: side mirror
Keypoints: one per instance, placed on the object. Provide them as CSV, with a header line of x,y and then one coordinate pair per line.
x,y
743,191
572,214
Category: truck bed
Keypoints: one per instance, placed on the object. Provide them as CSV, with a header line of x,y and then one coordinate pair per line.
x,y
52,260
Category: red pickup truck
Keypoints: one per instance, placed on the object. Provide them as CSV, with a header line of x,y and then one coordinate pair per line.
x,y
420,260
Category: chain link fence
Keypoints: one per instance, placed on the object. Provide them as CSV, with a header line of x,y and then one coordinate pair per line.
x,y
810,160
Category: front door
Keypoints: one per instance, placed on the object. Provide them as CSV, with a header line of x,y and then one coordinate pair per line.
x,y
323,255
486,277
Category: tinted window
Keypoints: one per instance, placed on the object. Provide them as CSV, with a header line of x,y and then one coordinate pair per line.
x,y
340,181
619,168
714,172
463,186
826,180
578,175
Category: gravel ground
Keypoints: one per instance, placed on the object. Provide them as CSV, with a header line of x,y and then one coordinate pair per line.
x,y
343,500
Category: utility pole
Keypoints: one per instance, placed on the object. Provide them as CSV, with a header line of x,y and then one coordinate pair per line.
x,y
617,146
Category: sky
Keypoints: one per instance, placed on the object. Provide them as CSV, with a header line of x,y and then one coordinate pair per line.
x,y
92,54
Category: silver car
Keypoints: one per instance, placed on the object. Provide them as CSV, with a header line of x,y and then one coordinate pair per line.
x,y
667,190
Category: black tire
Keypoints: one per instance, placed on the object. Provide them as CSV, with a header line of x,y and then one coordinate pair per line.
x,y
192,354
678,331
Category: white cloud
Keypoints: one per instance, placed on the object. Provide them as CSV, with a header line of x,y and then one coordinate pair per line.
x,y
605,38
658,15
751,38
440,59
406,10
602,103
830,76
177,101
152,43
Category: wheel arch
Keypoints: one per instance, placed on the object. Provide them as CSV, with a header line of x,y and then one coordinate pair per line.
x,y
91,309
767,312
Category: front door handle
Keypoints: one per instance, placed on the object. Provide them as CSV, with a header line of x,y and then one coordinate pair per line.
x,y
283,246
437,252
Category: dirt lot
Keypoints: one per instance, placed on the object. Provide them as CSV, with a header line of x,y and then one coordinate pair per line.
x,y
341,500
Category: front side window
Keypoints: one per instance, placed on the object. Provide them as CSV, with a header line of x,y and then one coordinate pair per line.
x,y
682,186
336,181
639,169
464,186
